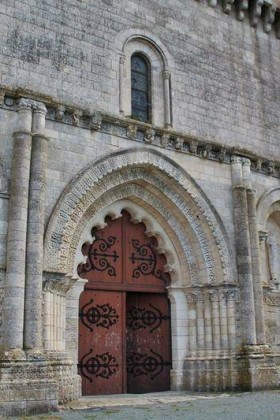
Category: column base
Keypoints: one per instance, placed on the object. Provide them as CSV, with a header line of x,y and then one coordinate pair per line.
x,y
253,368
258,369
33,385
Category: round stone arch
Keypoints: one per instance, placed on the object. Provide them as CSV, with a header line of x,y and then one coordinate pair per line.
x,y
157,191
268,203
165,190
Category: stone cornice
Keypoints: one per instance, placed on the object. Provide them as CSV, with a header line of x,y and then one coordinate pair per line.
x,y
145,133
263,12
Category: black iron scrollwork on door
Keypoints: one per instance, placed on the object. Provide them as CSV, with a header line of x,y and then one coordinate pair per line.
x,y
147,257
99,315
146,364
101,365
140,318
99,257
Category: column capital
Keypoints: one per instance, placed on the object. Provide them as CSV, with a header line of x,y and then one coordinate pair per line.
x,y
25,103
165,74
263,235
39,107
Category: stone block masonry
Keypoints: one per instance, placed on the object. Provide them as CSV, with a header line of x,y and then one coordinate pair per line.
x,y
202,176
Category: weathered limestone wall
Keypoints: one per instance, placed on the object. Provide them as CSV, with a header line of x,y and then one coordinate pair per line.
x,y
224,72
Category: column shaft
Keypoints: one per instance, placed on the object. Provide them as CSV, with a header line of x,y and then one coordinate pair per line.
x,y
35,233
258,292
13,307
244,267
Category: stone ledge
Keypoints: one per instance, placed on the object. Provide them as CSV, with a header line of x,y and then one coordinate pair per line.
x,y
138,131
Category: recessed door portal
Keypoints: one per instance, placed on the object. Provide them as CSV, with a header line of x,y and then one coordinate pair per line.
x,y
124,316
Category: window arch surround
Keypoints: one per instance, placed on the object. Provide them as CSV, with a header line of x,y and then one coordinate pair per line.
x,y
160,79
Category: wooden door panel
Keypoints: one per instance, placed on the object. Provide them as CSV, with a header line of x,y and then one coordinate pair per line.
x,y
101,342
122,259
104,256
148,355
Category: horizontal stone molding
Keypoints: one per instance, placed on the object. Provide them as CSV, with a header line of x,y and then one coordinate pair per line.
x,y
170,139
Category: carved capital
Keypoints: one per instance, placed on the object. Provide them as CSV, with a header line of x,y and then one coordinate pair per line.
x,y
263,235
59,286
59,112
165,74
229,295
214,296
236,159
131,131
194,297
246,162
39,107
122,59
24,103
149,135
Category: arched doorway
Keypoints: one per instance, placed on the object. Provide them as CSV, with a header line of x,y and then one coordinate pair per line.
x,y
124,330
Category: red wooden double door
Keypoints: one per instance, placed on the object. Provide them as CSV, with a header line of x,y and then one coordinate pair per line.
x,y
124,343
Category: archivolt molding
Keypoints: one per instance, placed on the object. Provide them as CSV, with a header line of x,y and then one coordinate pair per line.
x,y
137,33
267,205
165,180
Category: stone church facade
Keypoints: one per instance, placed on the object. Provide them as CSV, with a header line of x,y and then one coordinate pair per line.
x,y
192,170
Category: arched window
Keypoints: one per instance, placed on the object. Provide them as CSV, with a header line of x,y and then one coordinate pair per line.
x,y
140,88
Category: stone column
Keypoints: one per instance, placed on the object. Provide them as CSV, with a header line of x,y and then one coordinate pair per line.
x,y
199,322
121,95
167,99
258,291
223,320
243,252
208,323
191,299
35,231
13,307
214,298
231,298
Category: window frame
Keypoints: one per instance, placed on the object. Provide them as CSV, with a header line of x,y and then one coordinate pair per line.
x,y
148,91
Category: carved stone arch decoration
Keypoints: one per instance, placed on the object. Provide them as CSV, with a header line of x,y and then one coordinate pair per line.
x,y
165,191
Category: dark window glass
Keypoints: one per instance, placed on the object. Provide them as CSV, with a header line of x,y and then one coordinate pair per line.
x,y
140,88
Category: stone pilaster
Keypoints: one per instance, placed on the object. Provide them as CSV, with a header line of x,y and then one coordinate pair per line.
x,y
17,229
258,292
167,101
243,251
35,231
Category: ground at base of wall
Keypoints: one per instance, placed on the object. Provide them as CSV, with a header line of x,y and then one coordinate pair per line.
x,y
172,405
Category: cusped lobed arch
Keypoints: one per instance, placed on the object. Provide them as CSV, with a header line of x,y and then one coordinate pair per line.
x,y
155,190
